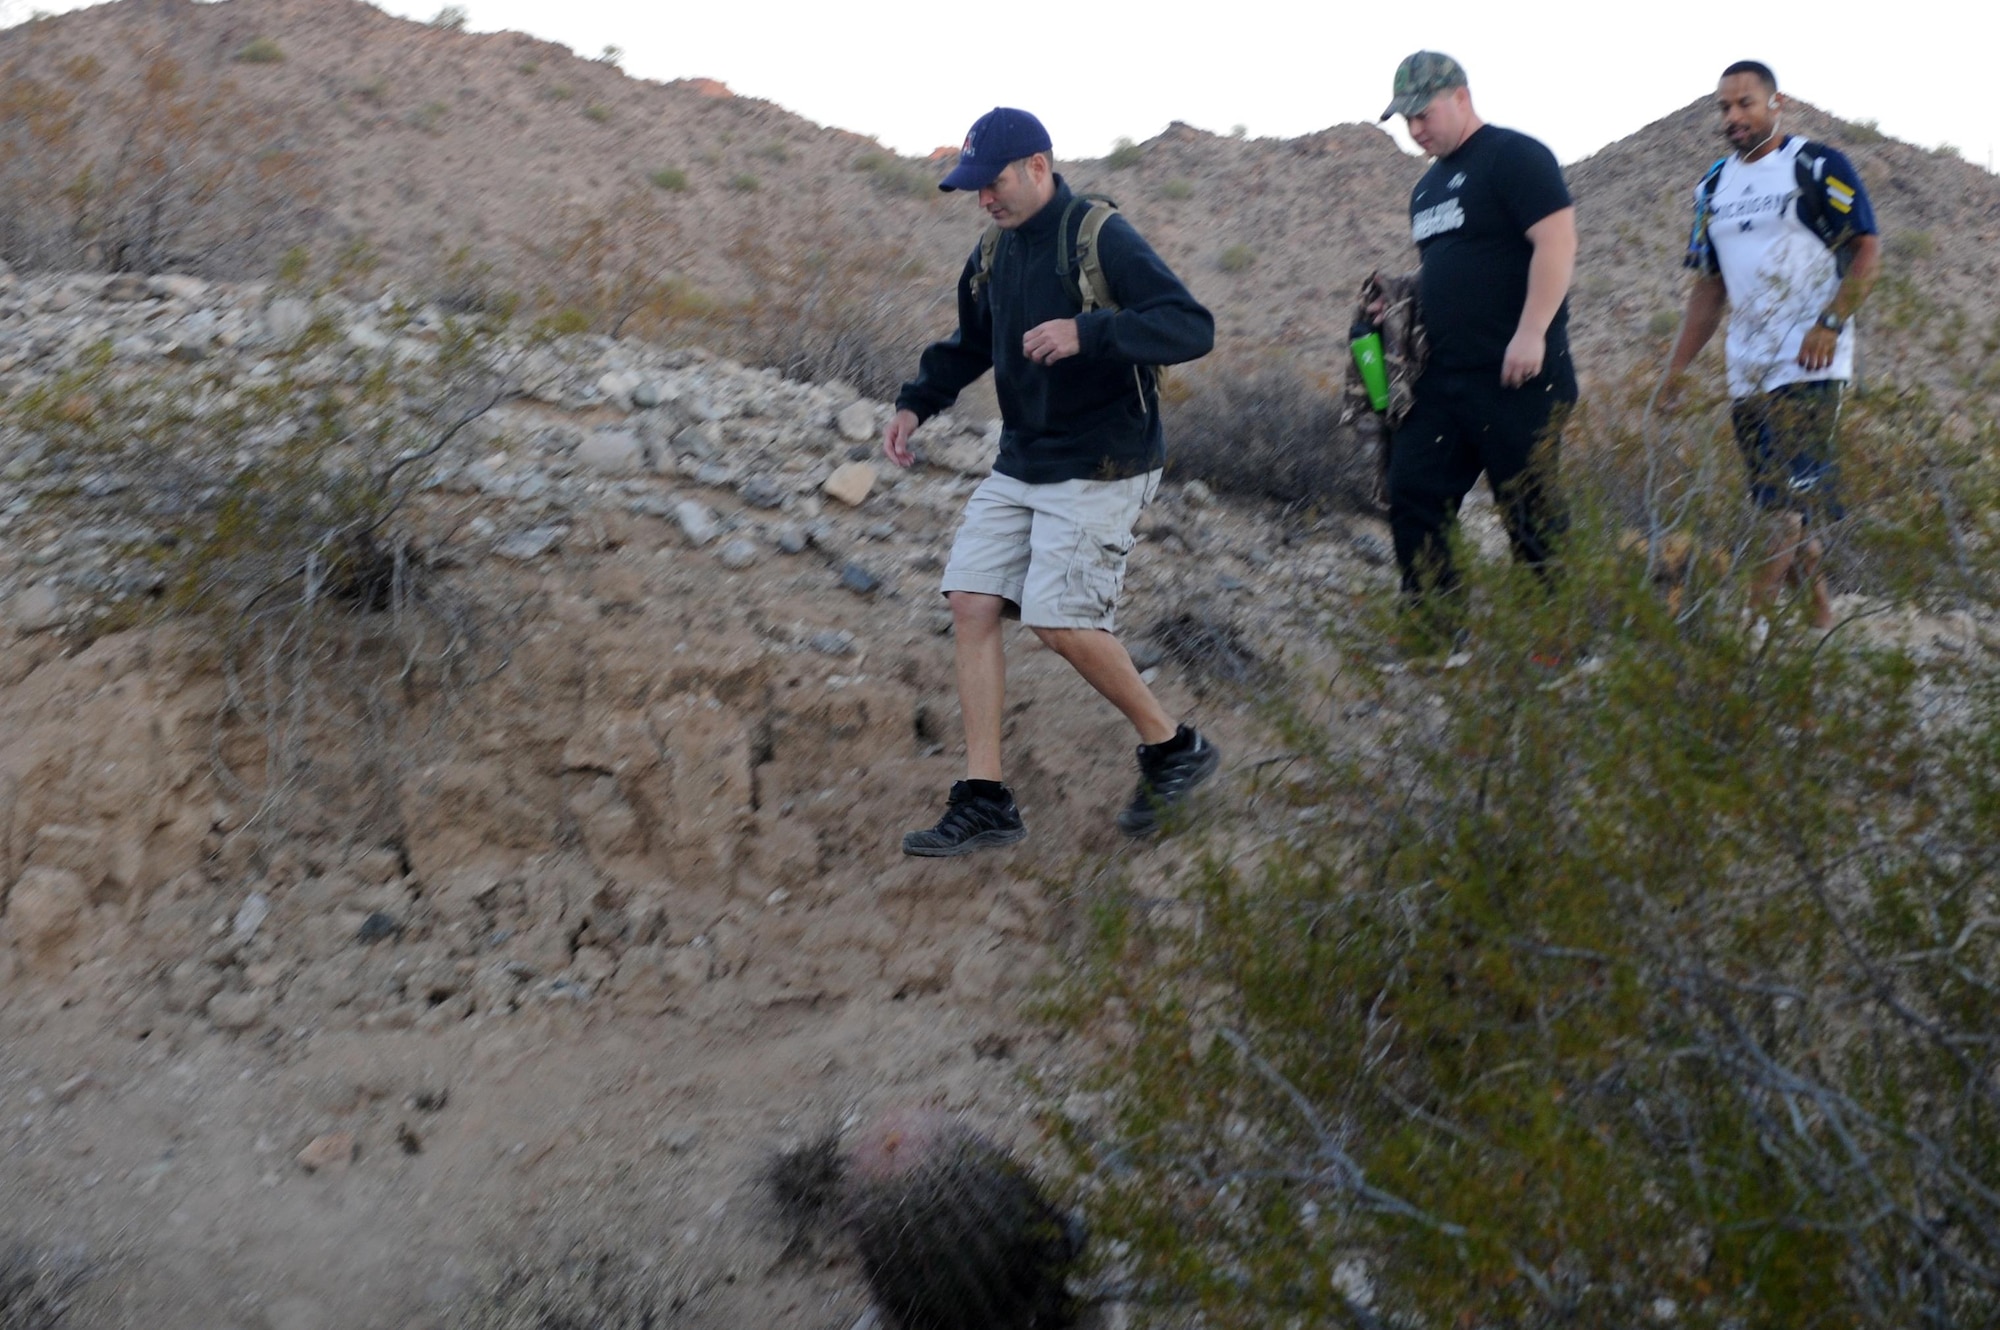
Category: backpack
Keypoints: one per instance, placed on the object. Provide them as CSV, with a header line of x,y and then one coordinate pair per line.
x,y
1825,202
1082,272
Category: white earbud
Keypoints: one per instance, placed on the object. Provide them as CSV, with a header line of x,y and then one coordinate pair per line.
x,y
1773,103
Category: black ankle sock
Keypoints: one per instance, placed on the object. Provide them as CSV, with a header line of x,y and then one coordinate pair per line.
x,y
1182,741
988,789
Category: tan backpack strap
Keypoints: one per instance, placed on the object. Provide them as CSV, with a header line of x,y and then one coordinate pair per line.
x,y
989,245
1096,288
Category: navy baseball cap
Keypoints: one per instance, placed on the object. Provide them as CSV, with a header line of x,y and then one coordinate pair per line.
x,y
1000,136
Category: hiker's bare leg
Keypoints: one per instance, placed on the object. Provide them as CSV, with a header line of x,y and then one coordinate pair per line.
x,y
1808,572
982,678
1776,569
1106,666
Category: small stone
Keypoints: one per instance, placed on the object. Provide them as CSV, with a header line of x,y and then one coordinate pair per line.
x,y
714,475
646,396
761,492
856,421
250,916
527,546
127,286
832,642
36,609
1146,655
376,927
792,539
186,353
617,388
700,440
1198,494
179,286
1257,557
613,451
850,483
287,318
697,523
330,1153
1229,582
738,553
237,1010
859,580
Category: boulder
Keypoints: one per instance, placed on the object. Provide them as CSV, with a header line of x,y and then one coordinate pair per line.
x,y
850,483
613,451
856,421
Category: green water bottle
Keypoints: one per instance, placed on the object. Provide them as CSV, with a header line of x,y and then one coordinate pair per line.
x,y
1365,341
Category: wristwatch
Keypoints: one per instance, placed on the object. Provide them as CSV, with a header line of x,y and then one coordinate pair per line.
x,y
1830,321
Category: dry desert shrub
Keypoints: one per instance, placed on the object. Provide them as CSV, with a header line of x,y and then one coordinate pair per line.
x,y
38,1288
150,174
585,1289
1268,432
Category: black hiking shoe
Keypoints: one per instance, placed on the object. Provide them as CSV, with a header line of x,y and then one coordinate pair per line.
x,y
975,818
1168,773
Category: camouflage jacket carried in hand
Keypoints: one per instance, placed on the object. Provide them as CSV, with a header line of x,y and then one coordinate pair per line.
x,y
1405,349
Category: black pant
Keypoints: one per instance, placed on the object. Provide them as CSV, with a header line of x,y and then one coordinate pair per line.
x,y
1464,422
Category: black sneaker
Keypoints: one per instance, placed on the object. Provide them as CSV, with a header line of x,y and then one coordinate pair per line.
x,y
1167,777
973,820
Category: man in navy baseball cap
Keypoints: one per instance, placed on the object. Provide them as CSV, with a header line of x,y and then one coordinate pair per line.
x,y
1000,136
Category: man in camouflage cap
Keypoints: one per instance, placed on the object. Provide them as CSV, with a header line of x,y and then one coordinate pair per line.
x,y
1493,223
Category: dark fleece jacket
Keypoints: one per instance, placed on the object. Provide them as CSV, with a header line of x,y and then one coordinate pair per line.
x,y
1094,416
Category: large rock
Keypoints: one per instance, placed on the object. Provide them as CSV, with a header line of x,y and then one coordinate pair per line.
x,y
287,318
856,421
614,451
697,523
36,609
850,483
45,911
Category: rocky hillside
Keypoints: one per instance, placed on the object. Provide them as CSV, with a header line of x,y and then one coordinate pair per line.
x,y
433,143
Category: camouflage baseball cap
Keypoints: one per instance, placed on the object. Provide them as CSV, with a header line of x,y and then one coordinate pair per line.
x,y
1422,77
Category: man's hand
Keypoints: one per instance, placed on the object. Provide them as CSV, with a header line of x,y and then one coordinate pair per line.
x,y
1055,340
1668,398
1816,352
896,439
1524,358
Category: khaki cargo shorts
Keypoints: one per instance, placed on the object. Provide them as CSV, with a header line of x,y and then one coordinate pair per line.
x,y
1056,553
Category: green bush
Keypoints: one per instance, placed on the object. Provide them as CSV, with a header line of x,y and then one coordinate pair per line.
x,y
1657,985
430,116
1125,154
1663,323
452,18
744,183
893,175
1236,258
670,178
1177,190
1908,246
259,51
1861,133
597,112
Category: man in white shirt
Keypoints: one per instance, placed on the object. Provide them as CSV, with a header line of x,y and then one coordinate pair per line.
x,y
1785,237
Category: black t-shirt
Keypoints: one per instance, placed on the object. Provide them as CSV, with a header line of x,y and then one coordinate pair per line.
x,y
1469,217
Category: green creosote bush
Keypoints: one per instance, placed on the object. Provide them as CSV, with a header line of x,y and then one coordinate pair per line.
x,y
597,112
1236,258
1861,133
259,51
773,152
1124,155
1910,246
611,55
1177,190
1946,150
670,178
892,175
452,18
744,183
1663,323
561,92
430,116
1657,985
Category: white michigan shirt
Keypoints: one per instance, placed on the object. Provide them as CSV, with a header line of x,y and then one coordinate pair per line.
x,y
1780,276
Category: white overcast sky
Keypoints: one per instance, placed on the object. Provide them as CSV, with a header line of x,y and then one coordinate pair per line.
x,y
915,73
